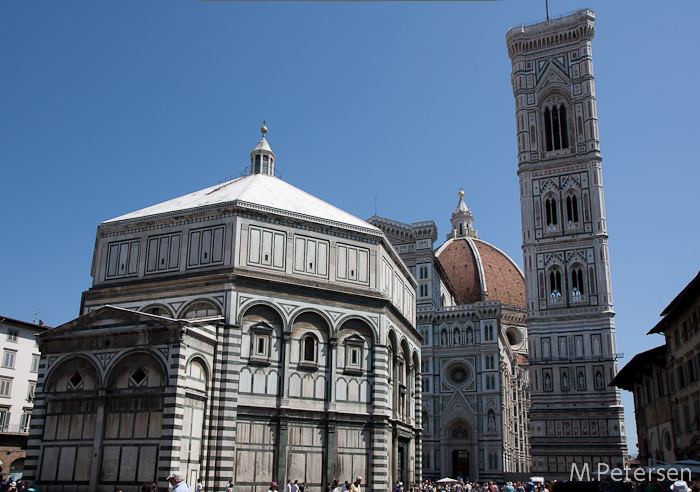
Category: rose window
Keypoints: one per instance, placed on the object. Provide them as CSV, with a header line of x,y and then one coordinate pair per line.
x,y
459,375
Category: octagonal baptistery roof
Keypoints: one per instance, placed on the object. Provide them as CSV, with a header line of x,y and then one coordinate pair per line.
x,y
480,271
256,191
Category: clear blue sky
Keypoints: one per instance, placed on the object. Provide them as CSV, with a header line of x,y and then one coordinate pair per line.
x,y
108,107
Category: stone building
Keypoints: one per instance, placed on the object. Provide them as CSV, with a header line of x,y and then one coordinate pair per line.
x,y
247,331
575,416
19,369
471,314
665,382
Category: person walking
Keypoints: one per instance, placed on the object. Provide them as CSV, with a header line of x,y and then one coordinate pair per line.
x,y
355,487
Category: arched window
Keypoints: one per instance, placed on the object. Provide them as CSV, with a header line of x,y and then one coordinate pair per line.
x,y
550,210
577,289
572,209
309,349
555,283
555,128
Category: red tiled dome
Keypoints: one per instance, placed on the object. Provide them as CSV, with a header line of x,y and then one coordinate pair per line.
x,y
480,272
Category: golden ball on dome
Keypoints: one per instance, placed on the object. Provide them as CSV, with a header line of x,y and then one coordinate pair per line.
x,y
263,129
460,194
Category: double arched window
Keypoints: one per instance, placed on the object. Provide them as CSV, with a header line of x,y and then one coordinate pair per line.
x,y
555,127
423,289
555,283
572,209
577,287
490,382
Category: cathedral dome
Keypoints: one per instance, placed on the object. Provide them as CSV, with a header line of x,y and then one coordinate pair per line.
x,y
481,272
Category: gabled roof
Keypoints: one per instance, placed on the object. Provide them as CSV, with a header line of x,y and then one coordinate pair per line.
x,y
258,192
678,305
106,316
25,324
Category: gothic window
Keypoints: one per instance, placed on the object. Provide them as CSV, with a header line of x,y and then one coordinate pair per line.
x,y
490,382
488,333
555,129
572,209
577,287
550,210
555,283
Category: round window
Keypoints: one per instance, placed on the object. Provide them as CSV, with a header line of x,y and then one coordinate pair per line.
x,y
458,375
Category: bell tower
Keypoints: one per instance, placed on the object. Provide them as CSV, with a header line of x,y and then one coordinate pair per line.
x,y
576,418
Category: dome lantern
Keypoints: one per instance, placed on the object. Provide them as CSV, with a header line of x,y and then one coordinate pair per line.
x,y
462,220
262,159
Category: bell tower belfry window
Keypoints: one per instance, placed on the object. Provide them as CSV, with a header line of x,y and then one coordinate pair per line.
x,y
555,126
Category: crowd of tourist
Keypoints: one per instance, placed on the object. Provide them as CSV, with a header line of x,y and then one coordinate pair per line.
x,y
552,486
177,481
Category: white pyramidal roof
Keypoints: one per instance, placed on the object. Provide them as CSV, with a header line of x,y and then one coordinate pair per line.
x,y
259,192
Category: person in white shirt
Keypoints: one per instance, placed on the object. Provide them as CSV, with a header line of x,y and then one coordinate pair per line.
x,y
177,480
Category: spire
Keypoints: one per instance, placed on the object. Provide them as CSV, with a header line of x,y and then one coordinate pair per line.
x,y
262,159
462,220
